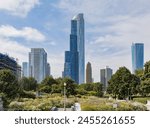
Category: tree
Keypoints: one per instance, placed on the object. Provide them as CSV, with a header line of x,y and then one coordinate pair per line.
x,y
91,89
98,88
123,84
139,73
28,84
46,84
71,87
9,84
145,80
49,81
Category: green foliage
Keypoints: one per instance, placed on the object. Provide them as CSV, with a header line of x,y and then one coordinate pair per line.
x,y
92,89
45,88
70,88
142,100
56,88
103,107
49,81
9,84
81,91
27,94
28,84
123,83
46,85
139,73
145,80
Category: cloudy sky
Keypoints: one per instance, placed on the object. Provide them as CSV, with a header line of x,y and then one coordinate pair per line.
x,y
110,28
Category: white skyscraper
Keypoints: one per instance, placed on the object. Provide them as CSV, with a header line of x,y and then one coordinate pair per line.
x,y
81,48
38,64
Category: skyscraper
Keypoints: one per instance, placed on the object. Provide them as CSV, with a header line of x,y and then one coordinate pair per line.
x,y
25,69
48,70
71,66
105,76
89,73
80,44
37,64
137,56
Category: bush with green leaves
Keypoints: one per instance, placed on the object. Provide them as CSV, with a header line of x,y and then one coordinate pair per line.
x,y
9,84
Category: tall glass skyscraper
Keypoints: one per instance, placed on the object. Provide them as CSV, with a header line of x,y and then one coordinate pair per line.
x,y
71,67
38,64
25,69
80,44
137,56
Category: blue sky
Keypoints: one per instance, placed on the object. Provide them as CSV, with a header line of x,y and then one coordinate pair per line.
x,y
110,28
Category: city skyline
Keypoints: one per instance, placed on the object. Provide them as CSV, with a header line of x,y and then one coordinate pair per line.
x,y
109,33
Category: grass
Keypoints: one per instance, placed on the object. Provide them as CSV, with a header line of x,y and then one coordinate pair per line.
x,y
141,99
88,103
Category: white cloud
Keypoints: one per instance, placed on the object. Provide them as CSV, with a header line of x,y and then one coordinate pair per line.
x,y
57,63
14,49
114,49
28,33
18,7
99,11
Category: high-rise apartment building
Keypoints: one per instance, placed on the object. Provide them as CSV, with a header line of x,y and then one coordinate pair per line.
x,y
25,69
89,73
137,56
37,64
71,66
80,44
105,76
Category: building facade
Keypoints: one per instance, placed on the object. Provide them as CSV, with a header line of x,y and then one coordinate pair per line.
x,y
137,56
89,73
80,45
48,71
37,64
7,62
71,66
105,76
25,69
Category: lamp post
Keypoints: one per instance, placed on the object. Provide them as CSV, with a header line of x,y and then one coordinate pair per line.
x,y
64,96
128,94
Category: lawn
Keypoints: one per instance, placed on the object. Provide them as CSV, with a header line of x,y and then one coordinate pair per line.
x,y
88,103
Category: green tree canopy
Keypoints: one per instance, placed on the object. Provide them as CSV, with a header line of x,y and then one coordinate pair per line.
x,y
71,86
9,84
46,84
145,80
123,83
28,84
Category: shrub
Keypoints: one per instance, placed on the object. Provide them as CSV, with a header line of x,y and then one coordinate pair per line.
x,y
26,94
101,107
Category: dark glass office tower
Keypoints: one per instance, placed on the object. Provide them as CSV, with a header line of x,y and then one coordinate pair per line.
x,y
137,56
71,67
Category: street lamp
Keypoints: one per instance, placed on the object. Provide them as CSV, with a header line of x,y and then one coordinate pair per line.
x,y
128,94
64,96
